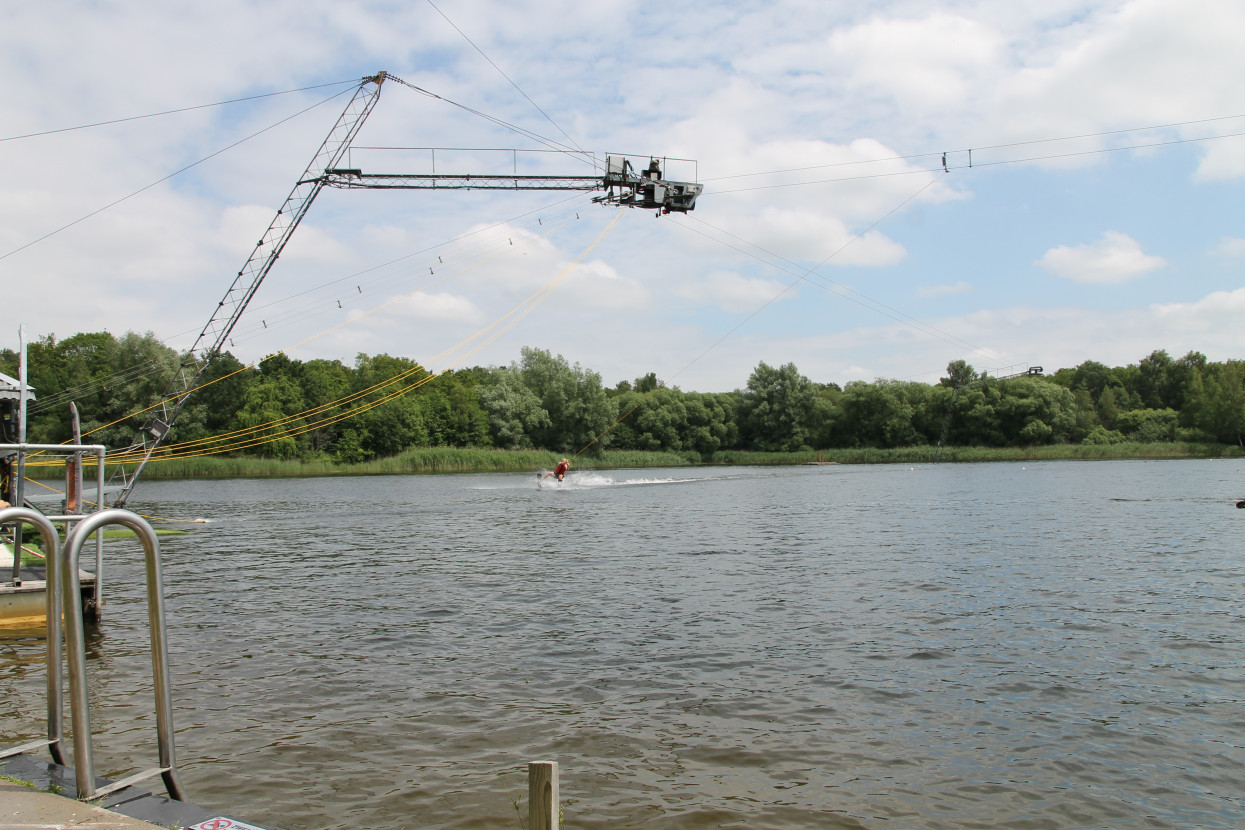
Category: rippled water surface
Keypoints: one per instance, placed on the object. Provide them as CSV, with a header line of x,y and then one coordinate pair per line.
x,y
1041,645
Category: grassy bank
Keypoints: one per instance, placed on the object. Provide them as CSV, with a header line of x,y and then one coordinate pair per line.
x,y
451,460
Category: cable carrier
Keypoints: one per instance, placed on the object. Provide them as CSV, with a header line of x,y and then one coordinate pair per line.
x,y
623,186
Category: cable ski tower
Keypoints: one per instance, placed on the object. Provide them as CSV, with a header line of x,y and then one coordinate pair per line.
x,y
623,186
646,189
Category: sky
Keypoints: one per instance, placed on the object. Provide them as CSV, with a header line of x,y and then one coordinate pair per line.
x,y
888,186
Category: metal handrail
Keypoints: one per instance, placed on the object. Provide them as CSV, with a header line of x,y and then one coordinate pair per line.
x,y
99,451
84,768
55,601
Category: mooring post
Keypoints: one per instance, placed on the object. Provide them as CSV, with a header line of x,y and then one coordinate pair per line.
x,y
542,795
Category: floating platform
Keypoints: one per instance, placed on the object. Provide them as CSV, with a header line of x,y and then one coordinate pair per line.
x,y
24,604
38,793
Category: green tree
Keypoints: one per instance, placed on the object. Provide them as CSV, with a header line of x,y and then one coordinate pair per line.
x,y
389,418
263,416
382,375
1217,402
76,369
1152,380
1035,411
1101,435
1182,375
453,414
878,414
1148,426
657,420
959,375
391,427
113,381
950,399
776,408
213,406
1086,414
348,448
647,384
325,385
826,421
978,419
573,399
1092,377
515,413
1108,409
709,426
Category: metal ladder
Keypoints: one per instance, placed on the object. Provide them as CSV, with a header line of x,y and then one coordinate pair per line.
x,y
63,583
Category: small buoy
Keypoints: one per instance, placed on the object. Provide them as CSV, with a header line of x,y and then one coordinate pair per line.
x,y
1241,504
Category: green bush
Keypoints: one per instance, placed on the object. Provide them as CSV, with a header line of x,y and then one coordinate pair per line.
x,y
1103,436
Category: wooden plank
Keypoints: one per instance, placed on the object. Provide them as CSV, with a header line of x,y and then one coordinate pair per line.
x,y
542,795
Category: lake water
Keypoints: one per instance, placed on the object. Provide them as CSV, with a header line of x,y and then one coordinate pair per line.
x,y
1037,645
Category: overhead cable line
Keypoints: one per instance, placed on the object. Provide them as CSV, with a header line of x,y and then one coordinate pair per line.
x,y
175,111
305,341
249,437
352,279
912,172
1110,132
479,246
139,370
133,371
171,175
504,75
1096,152
489,256
530,303
548,142
987,147
117,377
800,277
958,166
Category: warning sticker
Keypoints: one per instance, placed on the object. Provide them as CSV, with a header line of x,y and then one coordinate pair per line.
x,y
222,823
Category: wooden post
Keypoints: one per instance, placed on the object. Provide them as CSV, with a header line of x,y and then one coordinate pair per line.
x,y
542,795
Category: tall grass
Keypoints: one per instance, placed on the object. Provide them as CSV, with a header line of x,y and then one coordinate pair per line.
x,y
937,455
475,460
421,460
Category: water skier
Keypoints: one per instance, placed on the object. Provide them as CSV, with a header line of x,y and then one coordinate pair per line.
x,y
560,470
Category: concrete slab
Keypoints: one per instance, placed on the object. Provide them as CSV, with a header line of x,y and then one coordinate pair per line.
x,y
25,808
37,794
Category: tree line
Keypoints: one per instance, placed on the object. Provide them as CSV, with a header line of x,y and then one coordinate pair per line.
x,y
382,405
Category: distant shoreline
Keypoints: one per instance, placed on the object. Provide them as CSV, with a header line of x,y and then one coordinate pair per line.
x,y
471,460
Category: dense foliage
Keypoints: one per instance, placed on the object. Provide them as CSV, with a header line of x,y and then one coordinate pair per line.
x,y
383,405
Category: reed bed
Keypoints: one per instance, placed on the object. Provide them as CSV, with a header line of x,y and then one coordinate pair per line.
x,y
422,460
952,455
477,460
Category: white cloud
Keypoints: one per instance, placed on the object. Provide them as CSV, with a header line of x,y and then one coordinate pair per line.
x,y
1115,258
423,305
733,293
1221,160
811,88
1020,336
597,285
812,237
1208,318
1231,246
925,63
